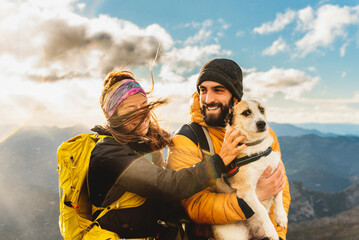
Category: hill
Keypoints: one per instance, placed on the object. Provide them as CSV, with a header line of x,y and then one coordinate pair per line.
x,y
308,204
327,164
341,226
323,216
28,212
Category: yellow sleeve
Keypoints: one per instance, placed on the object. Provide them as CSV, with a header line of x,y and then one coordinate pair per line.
x,y
206,207
286,194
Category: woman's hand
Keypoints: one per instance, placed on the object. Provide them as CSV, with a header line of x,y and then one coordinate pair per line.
x,y
230,148
268,184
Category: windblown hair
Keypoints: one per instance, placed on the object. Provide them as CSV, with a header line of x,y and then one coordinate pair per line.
x,y
156,137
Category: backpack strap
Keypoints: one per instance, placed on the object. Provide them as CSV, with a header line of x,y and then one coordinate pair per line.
x,y
97,138
199,135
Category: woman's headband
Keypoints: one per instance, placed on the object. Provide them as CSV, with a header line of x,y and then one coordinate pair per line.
x,y
118,93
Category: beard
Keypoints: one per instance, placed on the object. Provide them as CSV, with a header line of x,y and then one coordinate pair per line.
x,y
217,120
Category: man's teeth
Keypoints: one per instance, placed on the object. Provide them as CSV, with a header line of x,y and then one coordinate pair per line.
x,y
212,108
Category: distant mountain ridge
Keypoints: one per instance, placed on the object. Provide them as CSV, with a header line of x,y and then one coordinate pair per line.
x,y
284,129
333,128
327,163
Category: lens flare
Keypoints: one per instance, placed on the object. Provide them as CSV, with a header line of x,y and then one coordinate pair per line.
x,y
12,131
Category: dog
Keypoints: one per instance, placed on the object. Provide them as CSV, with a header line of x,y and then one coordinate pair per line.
x,y
250,118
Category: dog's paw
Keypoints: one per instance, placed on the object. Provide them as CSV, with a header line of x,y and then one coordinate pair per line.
x,y
271,233
281,218
272,237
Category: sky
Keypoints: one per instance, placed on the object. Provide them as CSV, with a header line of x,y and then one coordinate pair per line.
x,y
299,58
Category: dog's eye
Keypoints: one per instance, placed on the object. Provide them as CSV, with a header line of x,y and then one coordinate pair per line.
x,y
246,113
262,110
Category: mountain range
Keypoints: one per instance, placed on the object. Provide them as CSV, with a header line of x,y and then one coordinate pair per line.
x,y
327,164
323,216
322,169
333,128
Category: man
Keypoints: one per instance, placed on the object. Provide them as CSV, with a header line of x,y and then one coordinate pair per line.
x,y
219,87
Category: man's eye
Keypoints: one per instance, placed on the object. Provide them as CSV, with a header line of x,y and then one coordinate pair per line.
x,y
246,113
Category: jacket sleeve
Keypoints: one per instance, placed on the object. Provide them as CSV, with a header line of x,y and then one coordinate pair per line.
x,y
148,180
151,181
206,207
286,194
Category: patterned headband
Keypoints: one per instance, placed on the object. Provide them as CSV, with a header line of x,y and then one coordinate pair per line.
x,y
118,93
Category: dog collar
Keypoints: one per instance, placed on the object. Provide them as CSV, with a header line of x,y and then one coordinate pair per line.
x,y
253,143
238,162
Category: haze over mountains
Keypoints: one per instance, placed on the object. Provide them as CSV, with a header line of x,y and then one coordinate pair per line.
x,y
324,166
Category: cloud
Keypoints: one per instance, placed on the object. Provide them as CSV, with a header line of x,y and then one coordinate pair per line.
x,y
347,107
278,24
311,112
312,69
60,44
224,24
207,29
178,62
329,24
305,19
292,83
54,60
277,46
343,48
240,33
203,34
316,28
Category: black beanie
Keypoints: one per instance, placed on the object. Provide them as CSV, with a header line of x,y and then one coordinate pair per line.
x,y
225,72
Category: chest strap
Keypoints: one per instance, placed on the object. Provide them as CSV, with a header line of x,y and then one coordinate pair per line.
x,y
238,162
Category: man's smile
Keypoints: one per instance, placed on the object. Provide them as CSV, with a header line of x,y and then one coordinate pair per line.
x,y
212,108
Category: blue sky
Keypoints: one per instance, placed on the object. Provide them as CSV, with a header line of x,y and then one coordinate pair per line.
x,y
299,57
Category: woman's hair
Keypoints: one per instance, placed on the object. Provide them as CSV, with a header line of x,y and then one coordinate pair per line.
x,y
156,137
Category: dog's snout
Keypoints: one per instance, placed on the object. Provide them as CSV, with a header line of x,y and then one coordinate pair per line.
x,y
261,125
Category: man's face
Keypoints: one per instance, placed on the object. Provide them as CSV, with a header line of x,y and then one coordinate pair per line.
x,y
215,101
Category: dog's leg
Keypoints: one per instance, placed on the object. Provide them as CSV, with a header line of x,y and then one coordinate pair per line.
x,y
245,182
232,231
279,212
262,215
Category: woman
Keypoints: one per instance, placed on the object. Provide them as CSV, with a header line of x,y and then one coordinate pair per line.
x,y
121,164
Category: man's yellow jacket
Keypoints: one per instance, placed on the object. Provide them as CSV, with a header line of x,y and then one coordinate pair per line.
x,y
208,207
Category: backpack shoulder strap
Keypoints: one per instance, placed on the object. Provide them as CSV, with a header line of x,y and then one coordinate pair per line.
x,y
199,135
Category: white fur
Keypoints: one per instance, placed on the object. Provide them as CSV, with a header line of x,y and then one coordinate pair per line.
x,y
245,181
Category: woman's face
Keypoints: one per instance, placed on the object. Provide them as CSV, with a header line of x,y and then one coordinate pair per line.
x,y
130,104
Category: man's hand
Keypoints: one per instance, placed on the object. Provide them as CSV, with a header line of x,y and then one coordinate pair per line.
x,y
268,184
230,148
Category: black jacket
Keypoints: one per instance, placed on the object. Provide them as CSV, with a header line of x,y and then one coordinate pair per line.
x,y
116,168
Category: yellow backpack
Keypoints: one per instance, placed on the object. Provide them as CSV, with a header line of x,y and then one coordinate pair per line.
x,y
73,157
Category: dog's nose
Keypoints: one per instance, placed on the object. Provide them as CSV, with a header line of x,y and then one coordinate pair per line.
x,y
261,125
